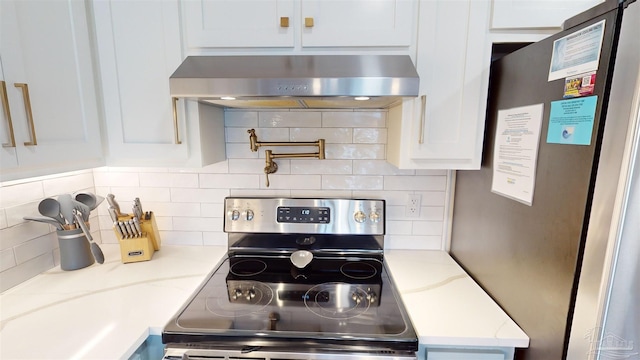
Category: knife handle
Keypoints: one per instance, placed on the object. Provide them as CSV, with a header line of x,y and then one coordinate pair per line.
x,y
111,199
118,230
136,224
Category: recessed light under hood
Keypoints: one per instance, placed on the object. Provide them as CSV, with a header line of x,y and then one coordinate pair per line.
x,y
297,81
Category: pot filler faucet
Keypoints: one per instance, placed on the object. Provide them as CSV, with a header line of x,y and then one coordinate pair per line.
x,y
270,165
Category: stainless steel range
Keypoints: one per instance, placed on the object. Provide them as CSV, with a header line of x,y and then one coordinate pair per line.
x,y
303,279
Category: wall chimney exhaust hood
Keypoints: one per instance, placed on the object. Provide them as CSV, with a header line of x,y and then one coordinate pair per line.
x,y
297,81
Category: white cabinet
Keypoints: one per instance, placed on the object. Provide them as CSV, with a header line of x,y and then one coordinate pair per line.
x,y
139,47
536,14
50,102
299,23
443,129
466,353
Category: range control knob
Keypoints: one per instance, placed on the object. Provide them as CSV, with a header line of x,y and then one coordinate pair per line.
x,y
235,215
356,297
359,216
374,216
235,294
250,294
371,296
249,215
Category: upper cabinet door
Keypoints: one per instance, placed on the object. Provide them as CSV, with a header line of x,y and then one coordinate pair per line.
x,y
298,24
536,14
48,72
239,23
353,23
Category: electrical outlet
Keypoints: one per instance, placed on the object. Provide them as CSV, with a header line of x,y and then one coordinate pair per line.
x,y
412,210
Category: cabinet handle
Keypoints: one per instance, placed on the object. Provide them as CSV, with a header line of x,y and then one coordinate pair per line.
x,y
7,114
284,21
175,121
308,22
27,108
423,101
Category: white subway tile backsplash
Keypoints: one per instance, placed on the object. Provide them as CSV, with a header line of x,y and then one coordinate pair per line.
x,y
398,227
181,238
355,151
427,228
196,224
240,135
23,193
240,151
284,119
432,198
125,195
198,195
168,180
15,214
370,135
291,182
261,192
33,248
217,168
7,259
321,167
243,119
358,119
352,182
214,238
420,183
213,210
68,184
3,219
392,198
256,166
174,208
331,193
377,167
330,135
116,179
16,235
229,181
25,271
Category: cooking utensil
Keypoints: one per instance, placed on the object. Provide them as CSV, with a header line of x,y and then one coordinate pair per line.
x,y
301,258
83,208
66,207
95,249
124,229
45,219
138,204
129,229
51,208
118,230
89,199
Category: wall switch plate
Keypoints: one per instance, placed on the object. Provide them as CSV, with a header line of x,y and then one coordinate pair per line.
x,y
412,209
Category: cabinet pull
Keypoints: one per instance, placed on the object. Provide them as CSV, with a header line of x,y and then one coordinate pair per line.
x,y
423,101
27,107
284,21
7,114
308,22
175,121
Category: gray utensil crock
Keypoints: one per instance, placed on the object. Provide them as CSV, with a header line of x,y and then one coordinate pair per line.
x,y
75,252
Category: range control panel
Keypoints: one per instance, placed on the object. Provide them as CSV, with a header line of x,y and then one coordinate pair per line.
x,y
304,215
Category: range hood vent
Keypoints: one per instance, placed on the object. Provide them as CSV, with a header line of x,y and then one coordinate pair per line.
x,y
297,81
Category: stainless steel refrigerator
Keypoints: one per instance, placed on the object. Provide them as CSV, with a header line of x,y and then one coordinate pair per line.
x,y
557,244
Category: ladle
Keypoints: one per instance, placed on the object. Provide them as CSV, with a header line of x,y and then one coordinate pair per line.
x,y
51,208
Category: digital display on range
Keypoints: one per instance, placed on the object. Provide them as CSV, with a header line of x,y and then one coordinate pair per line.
x,y
306,215
303,295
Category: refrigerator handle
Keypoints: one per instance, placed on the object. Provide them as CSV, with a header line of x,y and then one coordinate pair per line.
x,y
423,101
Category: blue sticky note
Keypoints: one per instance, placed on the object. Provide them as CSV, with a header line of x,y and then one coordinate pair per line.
x,y
571,121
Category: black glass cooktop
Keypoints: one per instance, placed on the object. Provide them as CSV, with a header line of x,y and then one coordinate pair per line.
x,y
258,301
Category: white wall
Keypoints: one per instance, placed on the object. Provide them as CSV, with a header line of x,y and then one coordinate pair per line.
x,y
188,202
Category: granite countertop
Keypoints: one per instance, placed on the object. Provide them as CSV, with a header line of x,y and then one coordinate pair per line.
x,y
106,311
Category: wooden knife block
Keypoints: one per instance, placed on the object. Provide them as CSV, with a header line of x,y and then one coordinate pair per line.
x,y
139,248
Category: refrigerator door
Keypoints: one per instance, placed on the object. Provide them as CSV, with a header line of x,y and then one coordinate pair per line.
x,y
606,321
527,257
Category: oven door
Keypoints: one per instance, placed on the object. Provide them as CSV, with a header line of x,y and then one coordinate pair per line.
x,y
256,353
